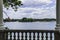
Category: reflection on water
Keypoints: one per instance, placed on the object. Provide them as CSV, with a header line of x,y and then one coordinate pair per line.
x,y
31,25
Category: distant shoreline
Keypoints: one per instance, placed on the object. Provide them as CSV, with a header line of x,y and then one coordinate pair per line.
x,y
27,20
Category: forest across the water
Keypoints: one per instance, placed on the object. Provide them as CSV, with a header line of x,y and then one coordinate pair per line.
x,y
28,20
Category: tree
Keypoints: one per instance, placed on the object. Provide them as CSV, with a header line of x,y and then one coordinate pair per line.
x,y
7,3
13,3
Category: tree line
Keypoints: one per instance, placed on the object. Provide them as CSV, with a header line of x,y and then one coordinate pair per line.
x,y
28,19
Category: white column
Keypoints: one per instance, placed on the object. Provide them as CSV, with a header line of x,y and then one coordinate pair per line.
x,y
58,15
1,15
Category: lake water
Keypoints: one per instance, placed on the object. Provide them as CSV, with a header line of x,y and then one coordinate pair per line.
x,y
31,25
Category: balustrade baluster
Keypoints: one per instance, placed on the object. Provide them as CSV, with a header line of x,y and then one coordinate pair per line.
x,y
46,35
10,35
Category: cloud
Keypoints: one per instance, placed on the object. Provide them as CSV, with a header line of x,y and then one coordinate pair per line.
x,y
35,9
37,3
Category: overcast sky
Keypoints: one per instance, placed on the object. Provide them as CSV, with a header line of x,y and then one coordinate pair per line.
x,y
34,9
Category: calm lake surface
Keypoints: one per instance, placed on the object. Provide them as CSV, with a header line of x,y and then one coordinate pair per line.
x,y
31,25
